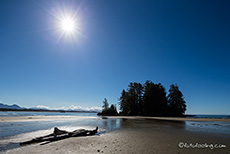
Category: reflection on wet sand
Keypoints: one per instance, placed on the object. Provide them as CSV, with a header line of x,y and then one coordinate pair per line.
x,y
119,123
202,127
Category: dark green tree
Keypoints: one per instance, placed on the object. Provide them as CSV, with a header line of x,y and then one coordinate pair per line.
x,y
106,110
112,110
176,102
154,100
123,102
131,100
105,104
135,95
150,100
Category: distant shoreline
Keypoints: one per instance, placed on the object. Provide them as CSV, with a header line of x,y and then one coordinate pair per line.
x,y
43,110
41,118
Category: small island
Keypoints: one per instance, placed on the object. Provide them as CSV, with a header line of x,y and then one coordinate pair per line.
x,y
148,99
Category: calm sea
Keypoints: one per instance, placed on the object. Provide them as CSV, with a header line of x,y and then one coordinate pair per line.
x,y
211,116
12,114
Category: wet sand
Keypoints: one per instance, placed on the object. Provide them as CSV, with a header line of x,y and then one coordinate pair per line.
x,y
174,118
47,118
137,136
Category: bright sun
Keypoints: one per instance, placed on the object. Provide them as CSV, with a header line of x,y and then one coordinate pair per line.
x,y
68,25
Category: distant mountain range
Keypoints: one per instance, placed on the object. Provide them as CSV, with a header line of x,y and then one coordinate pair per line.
x,y
15,107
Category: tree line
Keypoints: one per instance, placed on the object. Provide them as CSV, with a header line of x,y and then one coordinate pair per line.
x,y
106,110
148,99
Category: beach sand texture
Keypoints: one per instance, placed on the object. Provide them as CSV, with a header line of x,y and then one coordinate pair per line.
x,y
138,136
47,118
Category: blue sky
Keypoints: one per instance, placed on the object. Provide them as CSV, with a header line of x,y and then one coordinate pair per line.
x,y
182,42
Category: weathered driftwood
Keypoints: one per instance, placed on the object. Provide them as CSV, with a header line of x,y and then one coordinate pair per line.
x,y
61,134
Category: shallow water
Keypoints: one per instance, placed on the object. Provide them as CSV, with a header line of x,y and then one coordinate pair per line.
x,y
18,114
11,134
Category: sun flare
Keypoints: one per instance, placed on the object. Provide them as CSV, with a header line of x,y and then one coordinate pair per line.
x,y
68,25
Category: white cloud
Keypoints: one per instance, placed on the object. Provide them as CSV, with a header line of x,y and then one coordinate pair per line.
x,y
42,107
73,107
96,108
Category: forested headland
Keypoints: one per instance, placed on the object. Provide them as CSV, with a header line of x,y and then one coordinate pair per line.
x,y
148,99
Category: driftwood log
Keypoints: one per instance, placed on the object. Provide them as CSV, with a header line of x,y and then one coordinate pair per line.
x,y
61,134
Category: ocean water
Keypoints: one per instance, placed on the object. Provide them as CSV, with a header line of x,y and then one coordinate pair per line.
x,y
16,114
211,116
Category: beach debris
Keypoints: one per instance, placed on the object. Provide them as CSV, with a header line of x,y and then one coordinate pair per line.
x,y
61,134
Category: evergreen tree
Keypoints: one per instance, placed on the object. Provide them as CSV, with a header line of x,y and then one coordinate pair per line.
x,y
106,110
151,100
123,102
176,102
155,100
131,101
105,104
112,110
135,98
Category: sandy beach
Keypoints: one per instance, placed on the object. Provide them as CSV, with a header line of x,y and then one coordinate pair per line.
x,y
174,118
138,136
47,118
